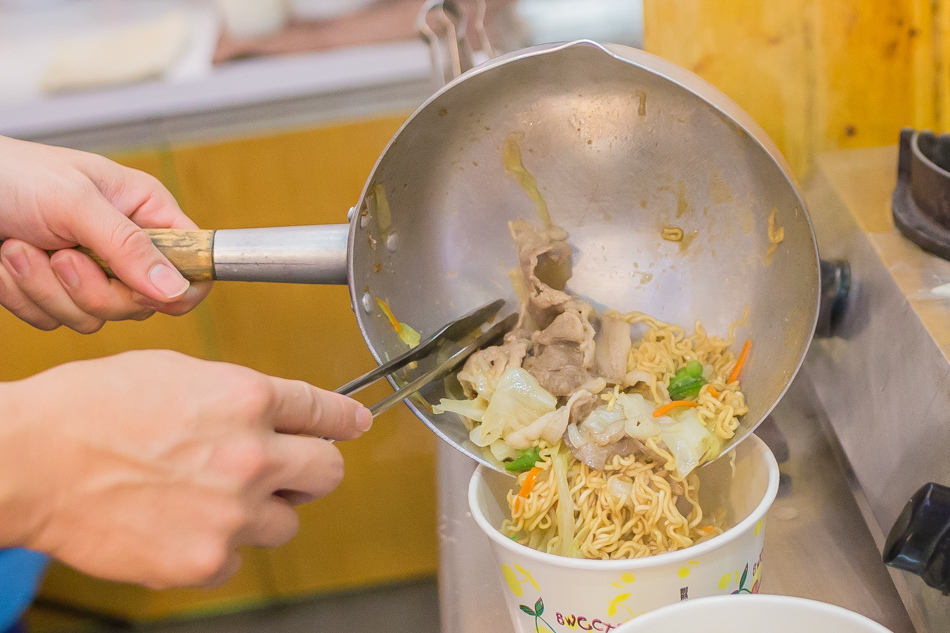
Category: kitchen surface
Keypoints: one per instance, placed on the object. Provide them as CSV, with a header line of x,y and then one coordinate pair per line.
x,y
267,113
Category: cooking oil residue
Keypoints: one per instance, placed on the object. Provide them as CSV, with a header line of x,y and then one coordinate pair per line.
x,y
384,218
776,236
642,107
682,204
719,190
748,222
511,159
672,233
687,240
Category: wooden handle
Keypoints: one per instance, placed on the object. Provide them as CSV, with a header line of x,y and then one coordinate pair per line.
x,y
189,250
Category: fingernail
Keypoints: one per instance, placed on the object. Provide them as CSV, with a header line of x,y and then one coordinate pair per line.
x,y
17,258
66,272
168,281
364,419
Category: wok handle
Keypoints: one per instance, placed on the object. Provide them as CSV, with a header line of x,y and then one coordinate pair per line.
x,y
189,250
287,254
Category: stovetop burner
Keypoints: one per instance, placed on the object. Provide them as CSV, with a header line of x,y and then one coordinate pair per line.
x,y
921,201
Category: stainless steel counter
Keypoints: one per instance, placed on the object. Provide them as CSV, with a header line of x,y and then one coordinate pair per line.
x,y
816,546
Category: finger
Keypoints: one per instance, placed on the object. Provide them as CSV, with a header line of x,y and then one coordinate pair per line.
x,y
294,497
92,291
302,409
273,525
127,249
140,196
30,268
230,567
308,467
195,295
13,299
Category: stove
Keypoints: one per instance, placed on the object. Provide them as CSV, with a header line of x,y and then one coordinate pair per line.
x,y
883,379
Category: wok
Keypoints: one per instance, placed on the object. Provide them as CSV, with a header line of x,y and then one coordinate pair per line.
x,y
622,144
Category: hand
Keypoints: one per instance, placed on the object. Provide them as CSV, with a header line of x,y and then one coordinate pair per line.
x,y
153,467
53,198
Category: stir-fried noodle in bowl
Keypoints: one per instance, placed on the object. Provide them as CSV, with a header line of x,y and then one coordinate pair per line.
x,y
604,417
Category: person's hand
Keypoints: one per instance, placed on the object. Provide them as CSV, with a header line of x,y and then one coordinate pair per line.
x,y
153,467
53,198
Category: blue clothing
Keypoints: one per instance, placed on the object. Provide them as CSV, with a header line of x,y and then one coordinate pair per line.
x,y
21,572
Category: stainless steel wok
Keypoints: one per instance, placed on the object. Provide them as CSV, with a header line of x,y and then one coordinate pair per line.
x,y
622,144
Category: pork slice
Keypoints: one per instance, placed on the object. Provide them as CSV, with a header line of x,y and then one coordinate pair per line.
x,y
483,369
596,456
612,347
559,368
566,328
581,407
544,261
584,310
571,326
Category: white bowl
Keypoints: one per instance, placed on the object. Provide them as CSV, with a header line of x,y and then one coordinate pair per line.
x,y
753,614
547,592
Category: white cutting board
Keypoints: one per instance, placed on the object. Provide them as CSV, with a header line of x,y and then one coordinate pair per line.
x,y
29,37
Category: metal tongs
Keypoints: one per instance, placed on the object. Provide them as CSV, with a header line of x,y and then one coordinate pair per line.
x,y
458,331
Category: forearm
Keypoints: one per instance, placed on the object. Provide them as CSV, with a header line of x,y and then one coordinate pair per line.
x,y
22,476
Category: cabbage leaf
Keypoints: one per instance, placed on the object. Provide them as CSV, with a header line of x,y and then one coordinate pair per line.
x,y
518,401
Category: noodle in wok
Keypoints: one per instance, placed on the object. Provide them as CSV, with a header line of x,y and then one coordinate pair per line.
x,y
605,417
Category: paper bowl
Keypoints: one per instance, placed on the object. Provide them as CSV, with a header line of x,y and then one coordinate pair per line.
x,y
753,614
545,592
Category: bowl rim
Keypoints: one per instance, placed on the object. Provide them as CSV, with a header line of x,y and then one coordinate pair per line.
x,y
647,562
697,605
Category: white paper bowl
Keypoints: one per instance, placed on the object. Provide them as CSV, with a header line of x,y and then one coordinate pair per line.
x,y
545,592
753,614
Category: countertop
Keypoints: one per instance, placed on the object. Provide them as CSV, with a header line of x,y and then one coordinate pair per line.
x,y
236,98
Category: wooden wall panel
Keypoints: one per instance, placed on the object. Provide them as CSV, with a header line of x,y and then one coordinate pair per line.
x,y
816,75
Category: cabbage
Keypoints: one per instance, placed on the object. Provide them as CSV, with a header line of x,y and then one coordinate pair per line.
x,y
621,488
601,418
604,426
501,451
471,409
549,427
687,441
480,374
637,375
638,411
565,503
575,437
517,402
409,336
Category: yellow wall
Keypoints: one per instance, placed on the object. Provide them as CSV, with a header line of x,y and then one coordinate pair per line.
x,y
379,526
817,75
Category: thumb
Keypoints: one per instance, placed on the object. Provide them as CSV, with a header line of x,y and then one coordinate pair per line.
x,y
129,252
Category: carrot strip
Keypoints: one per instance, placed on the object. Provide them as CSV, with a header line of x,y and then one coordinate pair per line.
x,y
739,363
712,391
529,481
666,408
389,315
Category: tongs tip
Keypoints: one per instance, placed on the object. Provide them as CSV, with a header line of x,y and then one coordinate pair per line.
x,y
453,332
